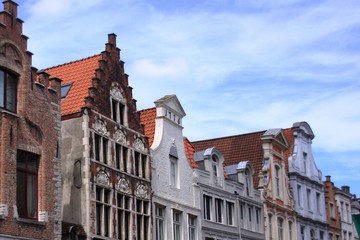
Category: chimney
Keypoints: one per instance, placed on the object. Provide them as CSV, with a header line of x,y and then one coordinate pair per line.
x,y
11,7
328,178
345,189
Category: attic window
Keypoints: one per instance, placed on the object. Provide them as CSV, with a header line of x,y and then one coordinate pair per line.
x,y
65,89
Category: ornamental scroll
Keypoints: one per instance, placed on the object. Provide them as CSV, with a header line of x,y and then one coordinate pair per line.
x,y
139,145
120,137
123,185
102,178
142,191
100,127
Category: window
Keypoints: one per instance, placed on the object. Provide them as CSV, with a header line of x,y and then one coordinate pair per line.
x,y
174,172
348,213
302,232
277,180
103,214
101,149
280,229
312,235
350,236
121,157
331,236
270,230
332,210
8,85
318,203
258,217
242,214
344,235
26,191
65,89
290,230
177,225
159,222
118,111
124,215
247,182
207,206
230,213
140,164
342,212
192,227
299,195
321,235
250,217
218,209
142,219
305,162
308,194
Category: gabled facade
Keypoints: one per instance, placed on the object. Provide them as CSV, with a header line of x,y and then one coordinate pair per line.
x,y
231,207
266,152
30,180
306,184
176,207
105,155
332,212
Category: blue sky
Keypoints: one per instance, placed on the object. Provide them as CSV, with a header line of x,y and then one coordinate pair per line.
x,y
236,66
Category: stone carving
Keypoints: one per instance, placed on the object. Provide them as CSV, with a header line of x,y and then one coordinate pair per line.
x,y
139,145
123,185
115,92
142,191
120,137
10,52
102,178
100,127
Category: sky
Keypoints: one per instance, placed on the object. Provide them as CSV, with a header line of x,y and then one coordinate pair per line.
x,y
237,66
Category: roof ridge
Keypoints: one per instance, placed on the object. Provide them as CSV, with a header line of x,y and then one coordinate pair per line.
x,y
71,62
231,136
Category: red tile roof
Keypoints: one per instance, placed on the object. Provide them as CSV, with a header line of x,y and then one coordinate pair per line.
x,y
245,147
190,150
147,118
80,73
290,138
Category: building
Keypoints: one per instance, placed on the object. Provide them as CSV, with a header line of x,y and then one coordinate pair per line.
x,y
176,207
332,212
306,183
343,201
355,212
265,151
30,176
106,188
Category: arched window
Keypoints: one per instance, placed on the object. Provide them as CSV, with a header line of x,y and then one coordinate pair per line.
x,y
277,181
215,163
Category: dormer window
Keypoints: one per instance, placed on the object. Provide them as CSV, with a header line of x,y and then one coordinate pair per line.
x,y
65,89
247,181
215,162
8,86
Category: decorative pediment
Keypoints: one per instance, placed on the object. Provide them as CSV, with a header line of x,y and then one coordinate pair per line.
x,y
139,145
100,127
116,93
142,191
120,136
123,185
102,178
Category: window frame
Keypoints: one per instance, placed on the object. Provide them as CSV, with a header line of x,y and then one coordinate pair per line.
x,y
192,223
160,222
174,171
177,224
5,79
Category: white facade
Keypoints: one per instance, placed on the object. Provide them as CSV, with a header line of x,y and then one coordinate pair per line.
x,y
176,208
343,202
307,186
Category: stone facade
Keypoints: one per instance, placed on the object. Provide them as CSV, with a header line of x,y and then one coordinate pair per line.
x,y
332,212
105,155
176,208
343,201
30,140
306,184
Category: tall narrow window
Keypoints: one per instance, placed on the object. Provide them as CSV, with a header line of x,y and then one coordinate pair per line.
x,y
8,86
302,232
26,191
348,213
308,194
332,210
280,229
277,180
142,219
313,234
140,164
242,214
192,227
305,162
318,203
230,213
124,215
270,230
103,215
121,157
118,111
321,235
342,211
101,148
176,225
218,209
258,219
174,172
247,181
299,195
207,206
250,217
290,231
159,222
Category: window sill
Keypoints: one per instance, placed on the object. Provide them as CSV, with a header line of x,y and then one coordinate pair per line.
x,y
31,221
9,112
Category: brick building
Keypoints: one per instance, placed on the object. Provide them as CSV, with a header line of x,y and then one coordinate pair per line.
x,y
105,155
332,212
30,179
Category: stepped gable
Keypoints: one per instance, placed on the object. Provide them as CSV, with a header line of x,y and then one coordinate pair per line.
x,y
245,147
80,73
147,119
